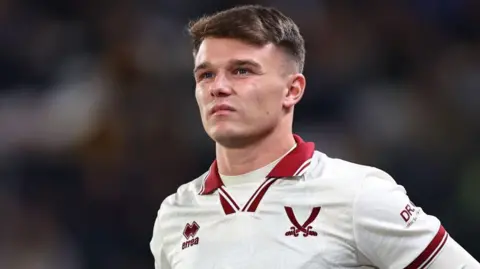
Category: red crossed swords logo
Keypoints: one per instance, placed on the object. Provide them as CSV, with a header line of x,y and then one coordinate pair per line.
x,y
306,229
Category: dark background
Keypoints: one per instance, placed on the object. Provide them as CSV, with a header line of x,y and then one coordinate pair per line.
x,y
98,121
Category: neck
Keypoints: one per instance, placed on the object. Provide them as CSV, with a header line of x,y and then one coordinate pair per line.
x,y
237,161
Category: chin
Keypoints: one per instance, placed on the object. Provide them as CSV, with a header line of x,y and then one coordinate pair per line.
x,y
233,137
226,135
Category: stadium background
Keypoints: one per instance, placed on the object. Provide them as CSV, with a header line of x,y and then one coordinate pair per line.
x,y
98,122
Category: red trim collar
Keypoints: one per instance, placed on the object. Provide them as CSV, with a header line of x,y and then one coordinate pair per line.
x,y
287,167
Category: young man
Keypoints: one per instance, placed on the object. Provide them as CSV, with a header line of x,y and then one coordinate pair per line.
x,y
270,200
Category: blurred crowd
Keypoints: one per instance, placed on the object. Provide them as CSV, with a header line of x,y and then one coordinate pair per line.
x,y
98,120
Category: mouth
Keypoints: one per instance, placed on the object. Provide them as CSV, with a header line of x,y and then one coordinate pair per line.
x,y
221,109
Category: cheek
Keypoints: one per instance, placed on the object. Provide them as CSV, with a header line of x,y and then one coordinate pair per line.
x,y
200,98
270,102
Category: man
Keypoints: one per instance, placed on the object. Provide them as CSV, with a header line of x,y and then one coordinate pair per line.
x,y
270,200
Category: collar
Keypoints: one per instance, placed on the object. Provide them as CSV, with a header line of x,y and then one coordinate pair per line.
x,y
290,166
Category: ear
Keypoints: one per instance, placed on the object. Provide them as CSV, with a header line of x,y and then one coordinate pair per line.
x,y
296,88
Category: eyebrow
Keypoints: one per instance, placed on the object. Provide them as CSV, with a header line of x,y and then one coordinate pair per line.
x,y
201,66
245,62
234,62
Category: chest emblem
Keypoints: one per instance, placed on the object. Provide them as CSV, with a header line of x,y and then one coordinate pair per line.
x,y
190,232
306,229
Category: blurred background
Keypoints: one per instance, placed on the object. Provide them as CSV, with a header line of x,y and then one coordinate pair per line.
x,y
98,121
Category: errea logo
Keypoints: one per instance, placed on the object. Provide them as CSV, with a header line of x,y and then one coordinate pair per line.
x,y
189,232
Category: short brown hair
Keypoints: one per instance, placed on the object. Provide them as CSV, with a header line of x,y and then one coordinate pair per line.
x,y
253,24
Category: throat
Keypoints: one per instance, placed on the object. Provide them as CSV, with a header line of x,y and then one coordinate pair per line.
x,y
252,176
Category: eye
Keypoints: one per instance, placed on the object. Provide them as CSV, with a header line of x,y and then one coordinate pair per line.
x,y
241,71
205,75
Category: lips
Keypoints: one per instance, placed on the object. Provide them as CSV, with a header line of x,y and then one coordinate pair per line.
x,y
220,108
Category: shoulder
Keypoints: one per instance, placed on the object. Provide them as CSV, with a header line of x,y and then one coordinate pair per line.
x,y
186,194
347,175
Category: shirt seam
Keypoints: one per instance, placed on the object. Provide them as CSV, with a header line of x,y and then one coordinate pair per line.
x,y
358,251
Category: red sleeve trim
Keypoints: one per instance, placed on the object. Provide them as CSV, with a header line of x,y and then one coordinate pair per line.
x,y
432,250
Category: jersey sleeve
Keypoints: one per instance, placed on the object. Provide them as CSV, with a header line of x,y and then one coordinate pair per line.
x,y
454,256
156,244
390,230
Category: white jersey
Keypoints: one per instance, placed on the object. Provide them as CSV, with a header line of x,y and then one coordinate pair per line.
x,y
311,212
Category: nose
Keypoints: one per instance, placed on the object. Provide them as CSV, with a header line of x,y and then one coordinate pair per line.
x,y
221,86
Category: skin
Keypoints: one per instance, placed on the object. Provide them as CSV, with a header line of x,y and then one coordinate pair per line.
x,y
258,87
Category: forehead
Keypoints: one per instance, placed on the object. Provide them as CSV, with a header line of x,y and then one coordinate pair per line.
x,y
218,51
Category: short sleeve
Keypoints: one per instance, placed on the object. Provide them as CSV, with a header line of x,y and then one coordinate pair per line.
x,y
390,230
156,244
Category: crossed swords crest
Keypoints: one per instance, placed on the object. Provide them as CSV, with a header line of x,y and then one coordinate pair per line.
x,y
306,228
